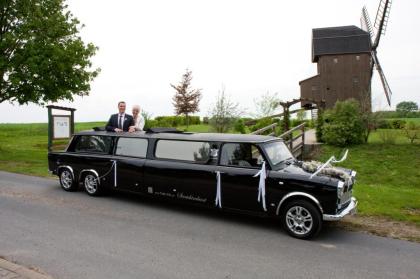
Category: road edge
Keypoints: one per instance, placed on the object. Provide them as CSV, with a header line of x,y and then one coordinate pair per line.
x,y
21,270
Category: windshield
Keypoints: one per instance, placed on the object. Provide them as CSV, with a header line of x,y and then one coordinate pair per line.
x,y
277,152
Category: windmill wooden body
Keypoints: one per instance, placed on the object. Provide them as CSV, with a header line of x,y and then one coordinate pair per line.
x,y
345,57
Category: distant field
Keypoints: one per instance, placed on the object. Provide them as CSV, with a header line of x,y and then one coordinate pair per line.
x,y
415,120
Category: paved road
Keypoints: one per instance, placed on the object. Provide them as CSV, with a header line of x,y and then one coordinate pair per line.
x,y
72,235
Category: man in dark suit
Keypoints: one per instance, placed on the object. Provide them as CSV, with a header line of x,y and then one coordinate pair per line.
x,y
121,121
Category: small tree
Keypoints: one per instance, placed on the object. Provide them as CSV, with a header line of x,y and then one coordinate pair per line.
x,y
224,113
343,124
406,107
412,131
266,105
186,100
42,57
369,119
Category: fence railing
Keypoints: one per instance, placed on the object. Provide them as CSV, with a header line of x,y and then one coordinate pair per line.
x,y
294,140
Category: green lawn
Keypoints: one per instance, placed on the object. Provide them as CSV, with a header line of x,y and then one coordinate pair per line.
x,y
388,179
415,120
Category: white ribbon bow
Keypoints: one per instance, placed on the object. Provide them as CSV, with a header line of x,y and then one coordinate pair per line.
x,y
218,200
261,186
332,160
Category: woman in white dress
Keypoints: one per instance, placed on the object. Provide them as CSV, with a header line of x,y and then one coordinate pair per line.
x,y
138,119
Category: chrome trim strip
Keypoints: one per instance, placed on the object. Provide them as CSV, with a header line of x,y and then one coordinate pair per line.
x,y
67,167
350,209
293,194
92,171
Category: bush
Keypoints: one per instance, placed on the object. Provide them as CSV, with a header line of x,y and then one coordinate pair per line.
x,y
150,123
262,123
412,131
384,124
206,120
398,124
343,125
175,121
239,126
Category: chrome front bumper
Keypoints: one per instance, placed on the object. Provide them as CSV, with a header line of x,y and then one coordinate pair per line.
x,y
350,209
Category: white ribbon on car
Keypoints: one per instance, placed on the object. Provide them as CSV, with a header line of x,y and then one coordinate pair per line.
x,y
218,200
113,166
261,186
332,160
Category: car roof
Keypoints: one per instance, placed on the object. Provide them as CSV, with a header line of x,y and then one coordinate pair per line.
x,y
215,137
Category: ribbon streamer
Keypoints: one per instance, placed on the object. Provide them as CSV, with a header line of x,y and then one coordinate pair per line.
x,y
113,166
330,160
261,186
218,200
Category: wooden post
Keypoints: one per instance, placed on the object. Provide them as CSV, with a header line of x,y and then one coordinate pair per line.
x,y
72,123
50,129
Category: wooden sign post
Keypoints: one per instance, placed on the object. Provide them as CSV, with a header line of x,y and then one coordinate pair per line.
x,y
59,126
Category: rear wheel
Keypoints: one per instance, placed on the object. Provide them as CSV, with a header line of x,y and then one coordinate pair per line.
x,y
301,219
67,180
92,186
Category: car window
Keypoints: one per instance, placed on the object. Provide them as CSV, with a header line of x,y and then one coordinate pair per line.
x,y
96,144
241,155
134,147
194,151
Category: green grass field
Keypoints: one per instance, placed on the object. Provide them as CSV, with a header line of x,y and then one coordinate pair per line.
x,y
388,181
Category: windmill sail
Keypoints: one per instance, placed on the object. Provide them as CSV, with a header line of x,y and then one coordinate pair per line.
x,y
381,20
387,89
365,23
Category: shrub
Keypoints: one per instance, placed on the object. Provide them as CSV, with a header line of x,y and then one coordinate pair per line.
x,y
175,121
343,124
412,131
398,124
264,122
384,124
206,120
150,123
239,126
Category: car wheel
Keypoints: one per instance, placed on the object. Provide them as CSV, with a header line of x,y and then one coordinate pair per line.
x,y
67,180
301,219
92,185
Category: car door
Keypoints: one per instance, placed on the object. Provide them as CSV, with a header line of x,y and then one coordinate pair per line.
x,y
239,163
182,170
130,158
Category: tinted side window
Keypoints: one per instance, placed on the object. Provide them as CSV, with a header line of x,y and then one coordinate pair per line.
x,y
183,150
134,147
96,144
240,154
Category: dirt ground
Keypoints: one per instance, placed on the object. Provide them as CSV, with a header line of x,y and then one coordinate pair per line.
x,y
380,226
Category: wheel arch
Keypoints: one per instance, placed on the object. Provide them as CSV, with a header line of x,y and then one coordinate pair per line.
x,y
59,169
296,196
82,173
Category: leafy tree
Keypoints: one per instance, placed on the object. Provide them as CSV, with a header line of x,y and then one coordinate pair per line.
x,y
224,113
42,57
343,124
406,107
266,105
186,100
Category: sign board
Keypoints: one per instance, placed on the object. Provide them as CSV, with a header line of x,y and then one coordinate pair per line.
x,y
61,126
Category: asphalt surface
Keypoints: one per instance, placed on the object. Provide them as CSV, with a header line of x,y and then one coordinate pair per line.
x,y
72,235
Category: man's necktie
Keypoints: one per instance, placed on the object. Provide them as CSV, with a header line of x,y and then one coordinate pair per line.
x,y
120,122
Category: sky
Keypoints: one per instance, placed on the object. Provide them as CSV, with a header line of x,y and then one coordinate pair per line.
x,y
246,47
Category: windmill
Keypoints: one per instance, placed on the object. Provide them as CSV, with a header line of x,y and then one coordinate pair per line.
x,y
379,28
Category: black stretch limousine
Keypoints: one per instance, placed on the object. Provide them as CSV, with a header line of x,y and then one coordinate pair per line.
x,y
248,173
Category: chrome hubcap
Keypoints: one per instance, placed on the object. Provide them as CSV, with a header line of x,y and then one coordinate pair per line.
x,y
299,220
66,179
91,183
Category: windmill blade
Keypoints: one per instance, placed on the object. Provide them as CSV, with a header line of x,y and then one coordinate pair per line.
x,y
387,89
381,20
366,24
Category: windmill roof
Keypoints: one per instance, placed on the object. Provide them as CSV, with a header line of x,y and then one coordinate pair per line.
x,y
339,40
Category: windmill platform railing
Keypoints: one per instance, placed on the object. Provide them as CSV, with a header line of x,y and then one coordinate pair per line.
x,y
293,138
